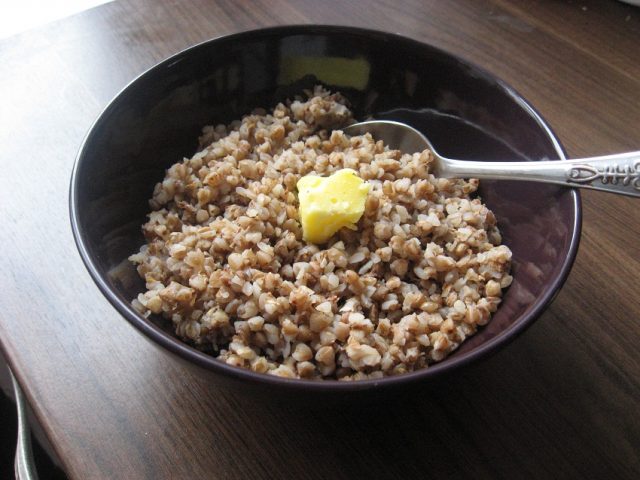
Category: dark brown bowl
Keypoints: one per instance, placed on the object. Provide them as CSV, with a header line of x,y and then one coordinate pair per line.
x,y
466,112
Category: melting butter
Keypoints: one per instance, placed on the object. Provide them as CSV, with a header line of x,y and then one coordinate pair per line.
x,y
328,204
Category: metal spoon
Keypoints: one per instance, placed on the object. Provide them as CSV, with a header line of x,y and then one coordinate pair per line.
x,y
612,173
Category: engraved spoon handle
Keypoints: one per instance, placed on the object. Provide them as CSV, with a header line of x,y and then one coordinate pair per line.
x,y
612,173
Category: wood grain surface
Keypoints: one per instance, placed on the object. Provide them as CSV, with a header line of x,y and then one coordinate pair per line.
x,y
562,401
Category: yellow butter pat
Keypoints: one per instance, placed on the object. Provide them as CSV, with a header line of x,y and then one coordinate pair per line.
x,y
329,203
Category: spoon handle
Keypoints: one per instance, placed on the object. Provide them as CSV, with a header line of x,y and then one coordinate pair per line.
x,y
612,173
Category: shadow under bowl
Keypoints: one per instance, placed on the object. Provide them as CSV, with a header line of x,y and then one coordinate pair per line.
x,y
466,112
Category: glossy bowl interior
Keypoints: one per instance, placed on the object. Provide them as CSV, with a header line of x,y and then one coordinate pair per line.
x,y
155,121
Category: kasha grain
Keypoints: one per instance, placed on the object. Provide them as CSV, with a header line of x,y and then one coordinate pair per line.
x,y
225,262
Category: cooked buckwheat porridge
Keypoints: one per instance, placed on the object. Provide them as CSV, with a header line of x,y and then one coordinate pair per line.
x,y
226,262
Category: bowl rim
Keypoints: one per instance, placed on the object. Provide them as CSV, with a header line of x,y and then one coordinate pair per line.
x,y
172,344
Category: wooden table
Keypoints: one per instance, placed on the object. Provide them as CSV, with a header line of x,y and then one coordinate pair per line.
x,y
563,401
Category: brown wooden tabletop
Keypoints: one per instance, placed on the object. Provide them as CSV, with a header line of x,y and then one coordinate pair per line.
x,y
562,401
